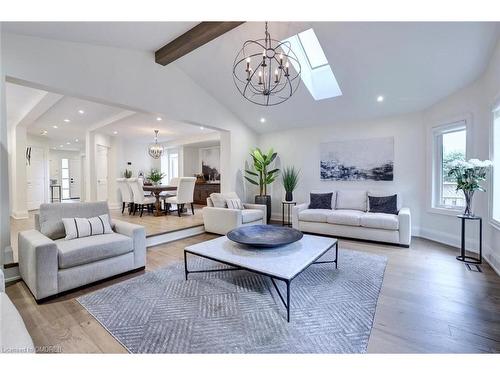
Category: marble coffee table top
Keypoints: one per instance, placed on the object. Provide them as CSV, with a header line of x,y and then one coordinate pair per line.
x,y
284,262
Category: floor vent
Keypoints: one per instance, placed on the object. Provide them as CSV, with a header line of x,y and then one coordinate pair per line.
x,y
473,267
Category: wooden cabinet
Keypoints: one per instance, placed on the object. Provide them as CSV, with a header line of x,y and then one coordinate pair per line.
x,y
203,190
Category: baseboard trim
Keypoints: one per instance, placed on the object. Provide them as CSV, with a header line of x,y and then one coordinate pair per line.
x,y
19,215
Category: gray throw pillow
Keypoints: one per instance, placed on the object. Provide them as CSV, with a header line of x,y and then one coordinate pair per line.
x,y
385,205
320,201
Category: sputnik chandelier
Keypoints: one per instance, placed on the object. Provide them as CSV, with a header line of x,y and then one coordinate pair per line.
x,y
262,71
155,149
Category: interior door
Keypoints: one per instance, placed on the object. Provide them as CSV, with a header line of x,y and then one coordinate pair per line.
x,y
35,176
102,173
75,172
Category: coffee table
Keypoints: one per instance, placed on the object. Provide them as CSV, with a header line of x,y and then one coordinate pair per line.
x,y
282,263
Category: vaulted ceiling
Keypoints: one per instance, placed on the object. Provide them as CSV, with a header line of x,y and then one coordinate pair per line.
x,y
413,65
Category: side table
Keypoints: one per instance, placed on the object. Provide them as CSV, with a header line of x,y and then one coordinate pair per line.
x,y
289,206
462,257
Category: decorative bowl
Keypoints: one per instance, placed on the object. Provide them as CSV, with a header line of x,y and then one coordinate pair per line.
x,y
264,236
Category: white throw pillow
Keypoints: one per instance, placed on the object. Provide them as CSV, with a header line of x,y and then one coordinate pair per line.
x,y
234,203
219,200
79,227
351,200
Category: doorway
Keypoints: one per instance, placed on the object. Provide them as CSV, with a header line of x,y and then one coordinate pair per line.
x,y
101,163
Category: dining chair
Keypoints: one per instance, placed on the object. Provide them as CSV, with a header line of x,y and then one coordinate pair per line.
x,y
126,194
185,194
140,201
170,193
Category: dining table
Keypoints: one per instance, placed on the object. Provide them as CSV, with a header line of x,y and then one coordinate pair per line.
x,y
156,190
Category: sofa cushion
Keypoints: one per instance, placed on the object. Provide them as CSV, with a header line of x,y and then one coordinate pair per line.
x,y
384,193
249,215
14,337
345,217
351,200
320,201
51,214
380,221
384,205
85,250
315,215
219,200
78,227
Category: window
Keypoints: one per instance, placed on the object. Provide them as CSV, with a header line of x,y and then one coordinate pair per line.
x,y
496,166
450,144
316,73
65,178
170,164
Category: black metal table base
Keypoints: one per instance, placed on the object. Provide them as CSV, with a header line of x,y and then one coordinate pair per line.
x,y
462,257
273,279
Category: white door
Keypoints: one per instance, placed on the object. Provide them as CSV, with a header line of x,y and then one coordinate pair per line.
x,y
35,176
102,173
75,172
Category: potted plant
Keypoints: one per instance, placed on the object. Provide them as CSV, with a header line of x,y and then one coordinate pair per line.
x,y
127,173
290,180
468,174
155,176
262,176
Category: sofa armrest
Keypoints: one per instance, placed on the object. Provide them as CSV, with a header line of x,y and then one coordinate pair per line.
x,y
38,263
221,220
404,217
295,214
262,207
2,281
138,235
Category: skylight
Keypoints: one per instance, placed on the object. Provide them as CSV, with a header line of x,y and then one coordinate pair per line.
x,y
316,73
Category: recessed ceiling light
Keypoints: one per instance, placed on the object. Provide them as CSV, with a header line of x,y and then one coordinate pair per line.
x,y
61,146
54,126
68,143
115,132
44,132
201,127
158,119
380,98
66,120
76,140
81,111
262,120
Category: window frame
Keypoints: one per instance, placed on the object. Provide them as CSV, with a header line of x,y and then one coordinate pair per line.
x,y
494,109
455,123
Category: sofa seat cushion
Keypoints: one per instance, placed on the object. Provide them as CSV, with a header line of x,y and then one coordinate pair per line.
x,y
14,338
250,215
314,215
86,250
380,221
345,217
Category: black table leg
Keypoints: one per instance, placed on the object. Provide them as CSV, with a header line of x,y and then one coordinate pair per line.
x,y
288,301
185,265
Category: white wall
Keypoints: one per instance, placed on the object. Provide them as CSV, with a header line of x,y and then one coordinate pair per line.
x,y
4,168
301,148
475,100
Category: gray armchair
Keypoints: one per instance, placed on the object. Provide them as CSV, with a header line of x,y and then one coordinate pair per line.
x,y
49,264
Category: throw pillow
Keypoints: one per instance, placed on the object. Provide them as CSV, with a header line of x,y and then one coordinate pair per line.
x,y
79,227
218,200
320,201
385,205
351,200
234,203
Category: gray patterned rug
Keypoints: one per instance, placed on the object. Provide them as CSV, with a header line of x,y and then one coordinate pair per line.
x,y
239,312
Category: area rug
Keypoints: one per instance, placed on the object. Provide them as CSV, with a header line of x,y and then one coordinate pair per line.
x,y
332,310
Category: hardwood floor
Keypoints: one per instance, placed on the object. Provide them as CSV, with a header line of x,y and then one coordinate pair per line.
x,y
154,225
429,303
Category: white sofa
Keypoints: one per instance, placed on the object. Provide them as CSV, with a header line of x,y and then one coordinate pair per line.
x,y
49,264
350,218
14,338
221,219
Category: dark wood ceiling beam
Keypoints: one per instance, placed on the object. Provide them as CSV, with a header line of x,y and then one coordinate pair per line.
x,y
199,35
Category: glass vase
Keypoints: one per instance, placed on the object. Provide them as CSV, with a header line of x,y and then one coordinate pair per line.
x,y
468,202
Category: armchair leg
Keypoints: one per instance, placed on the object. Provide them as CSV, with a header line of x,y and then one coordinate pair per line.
x,y
180,207
142,209
123,207
192,208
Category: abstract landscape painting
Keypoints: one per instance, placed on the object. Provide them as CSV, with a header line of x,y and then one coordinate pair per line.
x,y
357,160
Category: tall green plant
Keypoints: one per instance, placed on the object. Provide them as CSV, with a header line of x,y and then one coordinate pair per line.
x,y
155,175
290,178
261,163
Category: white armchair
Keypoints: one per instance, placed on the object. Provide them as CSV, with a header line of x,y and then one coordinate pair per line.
x,y
221,220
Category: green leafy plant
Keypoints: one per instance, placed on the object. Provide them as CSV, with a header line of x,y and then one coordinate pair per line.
x,y
468,174
290,178
127,173
261,176
155,175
